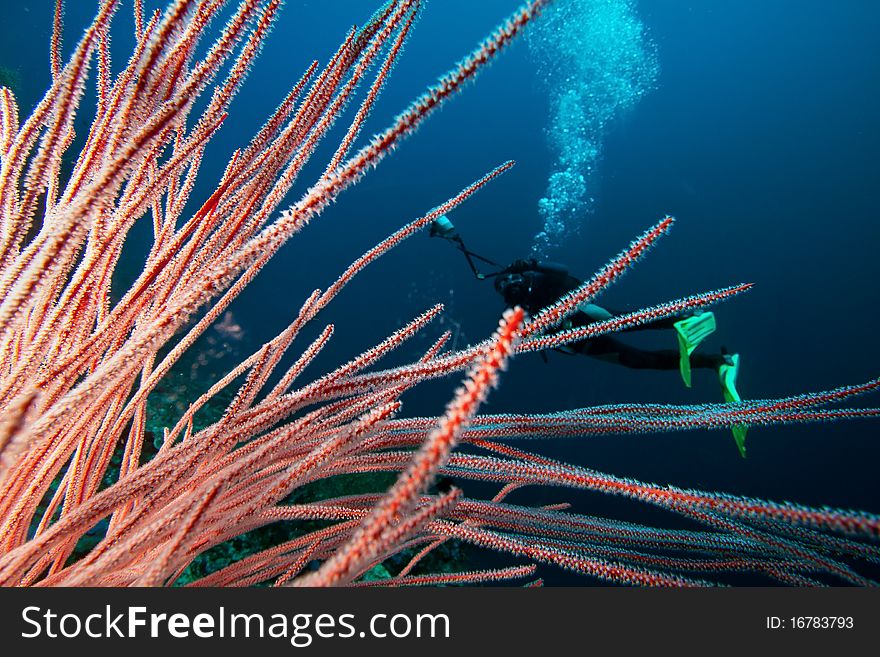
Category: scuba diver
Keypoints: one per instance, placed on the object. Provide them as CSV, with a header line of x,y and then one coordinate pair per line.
x,y
535,285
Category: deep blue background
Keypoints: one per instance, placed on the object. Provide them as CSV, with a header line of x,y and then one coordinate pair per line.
x,y
761,138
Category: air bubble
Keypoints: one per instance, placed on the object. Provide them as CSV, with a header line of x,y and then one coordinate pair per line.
x,y
596,62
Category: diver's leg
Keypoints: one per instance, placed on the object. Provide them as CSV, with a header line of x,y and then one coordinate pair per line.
x,y
612,350
707,361
597,313
616,351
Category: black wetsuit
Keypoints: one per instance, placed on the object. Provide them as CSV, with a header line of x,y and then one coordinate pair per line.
x,y
534,285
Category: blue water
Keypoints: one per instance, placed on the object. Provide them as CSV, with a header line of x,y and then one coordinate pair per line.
x,y
760,135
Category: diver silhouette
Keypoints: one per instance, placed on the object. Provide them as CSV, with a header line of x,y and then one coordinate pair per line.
x,y
535,285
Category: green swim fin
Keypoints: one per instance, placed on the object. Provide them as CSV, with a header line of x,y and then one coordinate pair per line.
x,y
727,376
691,332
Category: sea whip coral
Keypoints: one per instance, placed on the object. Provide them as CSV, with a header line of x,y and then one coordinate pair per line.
x,y
78,368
